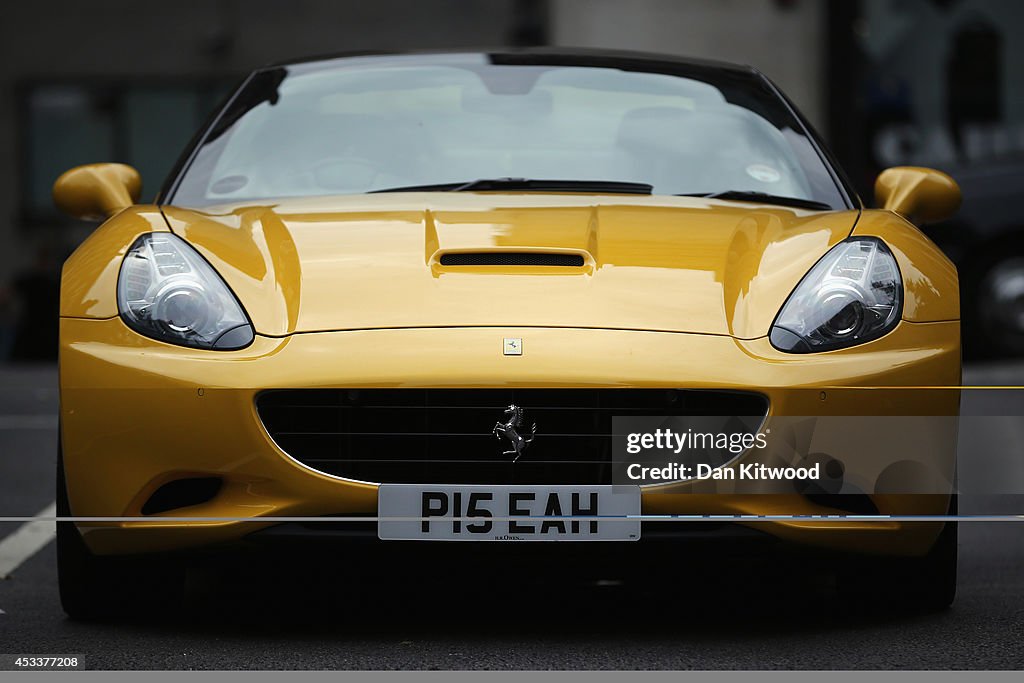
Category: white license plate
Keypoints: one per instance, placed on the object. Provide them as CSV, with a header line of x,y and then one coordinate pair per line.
x,y
420,512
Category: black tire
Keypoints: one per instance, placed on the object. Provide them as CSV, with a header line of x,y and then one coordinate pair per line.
x,y
98,587
925,583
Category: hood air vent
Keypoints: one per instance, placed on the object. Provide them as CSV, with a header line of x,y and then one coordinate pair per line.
x,y
506,258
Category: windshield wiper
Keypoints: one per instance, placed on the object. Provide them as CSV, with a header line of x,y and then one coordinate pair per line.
x,y
764,198
529,184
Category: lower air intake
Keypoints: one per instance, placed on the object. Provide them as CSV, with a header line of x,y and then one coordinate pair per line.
x,y
182,493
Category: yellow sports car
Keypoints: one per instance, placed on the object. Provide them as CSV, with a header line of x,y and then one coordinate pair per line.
x,y
423,297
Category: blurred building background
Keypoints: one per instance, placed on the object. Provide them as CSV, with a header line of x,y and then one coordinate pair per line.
x,y
888,82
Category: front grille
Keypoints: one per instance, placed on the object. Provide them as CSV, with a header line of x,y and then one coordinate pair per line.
x,y
444,436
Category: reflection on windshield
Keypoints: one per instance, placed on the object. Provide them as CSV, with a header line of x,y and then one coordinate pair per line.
x,y
378,125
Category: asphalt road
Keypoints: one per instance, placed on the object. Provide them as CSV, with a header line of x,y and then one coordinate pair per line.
x,y
282,610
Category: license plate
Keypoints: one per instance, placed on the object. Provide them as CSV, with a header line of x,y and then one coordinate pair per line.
x,y
419,512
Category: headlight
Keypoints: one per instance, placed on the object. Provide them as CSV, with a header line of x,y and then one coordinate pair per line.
x,y
167,291
852,295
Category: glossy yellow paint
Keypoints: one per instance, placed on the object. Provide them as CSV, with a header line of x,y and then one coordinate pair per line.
x,y
348,292
922,195
96,191
652,263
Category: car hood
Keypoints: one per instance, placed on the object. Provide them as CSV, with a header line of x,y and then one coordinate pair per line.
x,y
675,264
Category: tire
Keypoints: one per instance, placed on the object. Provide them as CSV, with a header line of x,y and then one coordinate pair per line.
x,y
97,587
925,583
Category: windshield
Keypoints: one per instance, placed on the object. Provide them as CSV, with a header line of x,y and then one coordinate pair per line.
x,y
370,124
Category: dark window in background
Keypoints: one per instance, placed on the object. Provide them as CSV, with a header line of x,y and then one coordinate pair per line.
x,y
926,82
144,125
974,79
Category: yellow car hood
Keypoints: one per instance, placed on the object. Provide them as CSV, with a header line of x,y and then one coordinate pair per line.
x,y
373,261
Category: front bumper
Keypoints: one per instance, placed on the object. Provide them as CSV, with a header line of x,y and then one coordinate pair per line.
x,y
137,414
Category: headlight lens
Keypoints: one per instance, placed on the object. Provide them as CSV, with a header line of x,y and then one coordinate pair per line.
x,y
167,291
852,295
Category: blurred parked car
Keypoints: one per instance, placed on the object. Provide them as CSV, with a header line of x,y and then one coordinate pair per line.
x,y
986,241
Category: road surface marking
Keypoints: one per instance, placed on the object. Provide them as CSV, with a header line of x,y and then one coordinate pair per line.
x,y
27,540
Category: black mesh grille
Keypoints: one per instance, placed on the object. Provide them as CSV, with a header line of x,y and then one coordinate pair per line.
x,y
512,259
444,435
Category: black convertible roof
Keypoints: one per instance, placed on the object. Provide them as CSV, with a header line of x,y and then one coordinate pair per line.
x,y
563,56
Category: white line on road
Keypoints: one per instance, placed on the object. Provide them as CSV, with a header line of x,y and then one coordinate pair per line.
x,y
27,540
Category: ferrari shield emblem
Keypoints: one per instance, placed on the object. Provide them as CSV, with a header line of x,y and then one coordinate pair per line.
x,y
513,346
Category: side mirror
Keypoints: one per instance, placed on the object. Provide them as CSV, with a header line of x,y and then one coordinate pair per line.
x,y
95,191
921,195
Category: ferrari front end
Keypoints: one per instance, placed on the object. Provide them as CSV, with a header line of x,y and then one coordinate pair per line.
x,y
287,339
